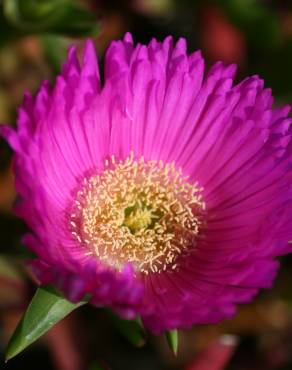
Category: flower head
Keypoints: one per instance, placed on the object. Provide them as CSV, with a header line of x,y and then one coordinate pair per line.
x,y
160,192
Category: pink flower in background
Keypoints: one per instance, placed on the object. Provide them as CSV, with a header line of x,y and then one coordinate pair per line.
x,y
159,192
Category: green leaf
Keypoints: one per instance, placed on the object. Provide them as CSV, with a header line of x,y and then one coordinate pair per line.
x,y
256,19
8,33
172,340
46,308
132,330
55,50
64,17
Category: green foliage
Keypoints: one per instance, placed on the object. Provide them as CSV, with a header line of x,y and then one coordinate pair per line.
x,y
132,330
64,17
258,22
54,48
46,309
172,340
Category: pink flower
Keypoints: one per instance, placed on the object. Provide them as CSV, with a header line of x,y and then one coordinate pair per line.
x,y
159,192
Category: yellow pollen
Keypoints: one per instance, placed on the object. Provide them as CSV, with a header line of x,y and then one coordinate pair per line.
x,y
141,212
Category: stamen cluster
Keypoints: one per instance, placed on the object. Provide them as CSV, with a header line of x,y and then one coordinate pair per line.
x,y
141,212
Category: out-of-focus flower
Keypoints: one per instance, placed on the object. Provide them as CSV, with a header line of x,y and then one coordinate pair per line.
x,y
216,356
220,39
159,192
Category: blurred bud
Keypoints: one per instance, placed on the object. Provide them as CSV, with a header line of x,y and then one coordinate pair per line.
x,y
222,40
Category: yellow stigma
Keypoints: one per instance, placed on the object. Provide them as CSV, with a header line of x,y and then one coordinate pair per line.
x,y
138,218
140,212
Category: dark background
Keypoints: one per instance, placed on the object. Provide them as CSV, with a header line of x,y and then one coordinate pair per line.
x,y
34,36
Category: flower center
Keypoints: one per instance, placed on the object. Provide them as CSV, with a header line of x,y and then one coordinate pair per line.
x,y
139,217
140,212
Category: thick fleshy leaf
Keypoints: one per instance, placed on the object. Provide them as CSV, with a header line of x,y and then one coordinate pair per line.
x,y
132,330
46,308
172,340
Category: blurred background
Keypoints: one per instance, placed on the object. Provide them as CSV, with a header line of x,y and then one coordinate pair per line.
x,y
34,36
